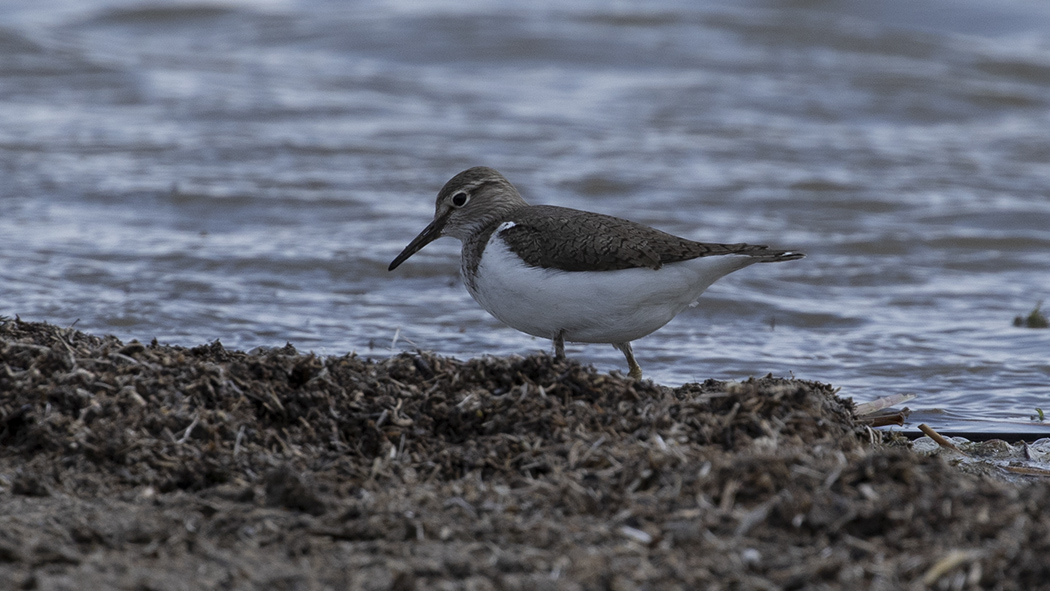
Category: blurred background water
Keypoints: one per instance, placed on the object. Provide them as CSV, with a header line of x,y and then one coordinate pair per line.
x,y
245,171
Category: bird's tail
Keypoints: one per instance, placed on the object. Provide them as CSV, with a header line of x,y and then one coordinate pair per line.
x,y
761,253
777,256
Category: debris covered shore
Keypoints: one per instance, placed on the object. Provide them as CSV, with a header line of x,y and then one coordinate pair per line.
x,y
134,466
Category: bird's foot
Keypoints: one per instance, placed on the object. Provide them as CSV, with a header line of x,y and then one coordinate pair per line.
x,y
634,370
559,345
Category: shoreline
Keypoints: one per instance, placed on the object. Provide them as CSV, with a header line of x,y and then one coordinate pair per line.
x,y
171,468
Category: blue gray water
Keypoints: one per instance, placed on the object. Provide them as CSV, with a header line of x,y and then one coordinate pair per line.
x,y
245,171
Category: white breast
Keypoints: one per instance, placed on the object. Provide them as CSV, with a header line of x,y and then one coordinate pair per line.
x,y
591,306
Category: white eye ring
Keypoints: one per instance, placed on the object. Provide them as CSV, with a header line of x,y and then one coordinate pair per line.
x,y
460,199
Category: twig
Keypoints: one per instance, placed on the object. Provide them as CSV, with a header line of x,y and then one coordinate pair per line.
x,y
941,441
949,562
237,442
884,419
866,408
1026,471
633,533
189,430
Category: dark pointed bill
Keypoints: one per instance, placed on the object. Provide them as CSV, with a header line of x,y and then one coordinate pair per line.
x,y
429,234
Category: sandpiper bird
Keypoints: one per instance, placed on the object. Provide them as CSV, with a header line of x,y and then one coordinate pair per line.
x,y
566,274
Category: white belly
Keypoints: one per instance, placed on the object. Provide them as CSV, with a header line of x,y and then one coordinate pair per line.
x,y
591,307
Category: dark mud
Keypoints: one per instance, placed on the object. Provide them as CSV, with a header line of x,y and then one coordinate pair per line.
x,y
131,466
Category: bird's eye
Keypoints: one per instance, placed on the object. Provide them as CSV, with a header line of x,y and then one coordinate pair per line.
x,y
460,199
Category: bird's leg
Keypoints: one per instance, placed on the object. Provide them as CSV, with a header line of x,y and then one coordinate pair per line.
x,y
559,345
635,370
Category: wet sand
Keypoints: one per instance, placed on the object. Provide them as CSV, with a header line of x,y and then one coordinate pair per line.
x,y
131,466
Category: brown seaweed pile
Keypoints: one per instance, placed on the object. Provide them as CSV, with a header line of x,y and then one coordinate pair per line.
x,y
158,467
